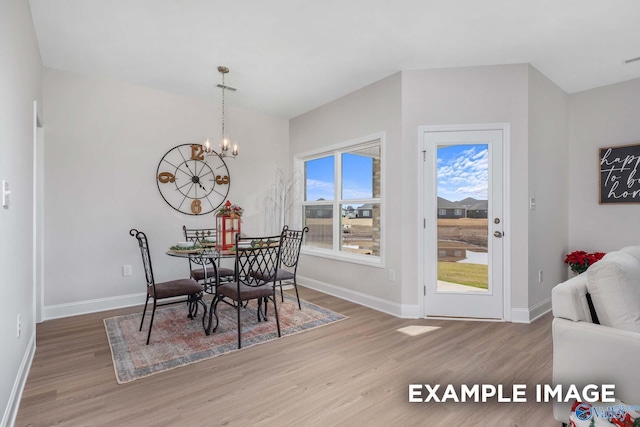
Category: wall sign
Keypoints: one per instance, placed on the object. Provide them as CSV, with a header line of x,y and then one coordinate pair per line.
x,y
620,174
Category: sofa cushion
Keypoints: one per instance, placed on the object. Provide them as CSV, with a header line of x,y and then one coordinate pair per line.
x,y
632,250
614,285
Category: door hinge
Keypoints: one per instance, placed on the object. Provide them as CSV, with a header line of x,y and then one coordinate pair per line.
x,y
424,222
424,290
424,155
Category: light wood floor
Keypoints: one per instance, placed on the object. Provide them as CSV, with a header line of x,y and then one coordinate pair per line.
x,y
351,373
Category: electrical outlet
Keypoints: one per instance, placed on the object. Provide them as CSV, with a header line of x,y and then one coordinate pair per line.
x,y
19,327
126,270
392,275
539,276
532,203
5,194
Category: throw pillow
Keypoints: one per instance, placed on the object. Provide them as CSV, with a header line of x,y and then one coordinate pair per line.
x,y
614,285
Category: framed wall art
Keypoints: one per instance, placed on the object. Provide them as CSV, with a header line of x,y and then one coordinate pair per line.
x,y
620,174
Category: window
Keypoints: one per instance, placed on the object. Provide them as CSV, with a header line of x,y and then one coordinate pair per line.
x,y
442,212
457,212
342,201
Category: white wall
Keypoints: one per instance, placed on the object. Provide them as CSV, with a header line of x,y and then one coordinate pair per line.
x,y
492,94
20,85
495,94
375,108
600,117
548,184
104,141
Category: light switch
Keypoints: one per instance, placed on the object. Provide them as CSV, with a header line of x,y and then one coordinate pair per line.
x,y
5,194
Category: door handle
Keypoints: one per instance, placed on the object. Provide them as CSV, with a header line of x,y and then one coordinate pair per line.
x,y
498,234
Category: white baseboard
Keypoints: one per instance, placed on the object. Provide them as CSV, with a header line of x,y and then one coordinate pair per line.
x,y
404,311
540,309
11,411
528,315
91,306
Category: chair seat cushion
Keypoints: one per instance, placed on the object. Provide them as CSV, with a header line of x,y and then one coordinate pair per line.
x,y
284,274
176,288
198,273
230,290
267,276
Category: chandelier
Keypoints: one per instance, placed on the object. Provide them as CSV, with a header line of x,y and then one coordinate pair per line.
x,y
225,142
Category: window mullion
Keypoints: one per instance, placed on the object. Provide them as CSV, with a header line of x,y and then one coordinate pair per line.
x,y
337,161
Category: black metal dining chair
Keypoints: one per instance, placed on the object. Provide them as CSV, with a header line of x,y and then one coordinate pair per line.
x,y
197,265
290,256
256,261
165,290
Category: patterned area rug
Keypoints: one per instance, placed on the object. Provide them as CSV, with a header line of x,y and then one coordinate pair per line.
x,y
178,341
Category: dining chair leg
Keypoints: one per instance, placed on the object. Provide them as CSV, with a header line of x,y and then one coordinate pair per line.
x,y
261,314
213,310
239,331
275,309
295,286
200,300
153,313
193,308
281,292
144,312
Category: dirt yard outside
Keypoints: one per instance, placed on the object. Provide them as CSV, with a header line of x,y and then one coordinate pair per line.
x,y
470,232
357,234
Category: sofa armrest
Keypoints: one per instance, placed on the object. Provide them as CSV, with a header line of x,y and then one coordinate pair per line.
x,y
569,299
586,353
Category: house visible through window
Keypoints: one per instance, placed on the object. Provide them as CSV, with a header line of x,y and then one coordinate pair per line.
x,y
457,212
342,200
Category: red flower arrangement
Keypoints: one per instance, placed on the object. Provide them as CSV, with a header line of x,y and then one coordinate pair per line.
x,y
579,261
230,209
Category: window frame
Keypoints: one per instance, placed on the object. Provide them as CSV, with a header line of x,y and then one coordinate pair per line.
x,y
336,151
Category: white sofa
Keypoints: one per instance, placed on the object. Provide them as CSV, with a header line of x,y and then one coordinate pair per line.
x,y
607,353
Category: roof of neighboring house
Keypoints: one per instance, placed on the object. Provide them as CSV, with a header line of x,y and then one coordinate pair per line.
x,y
482,205
366,206
469,201
447,204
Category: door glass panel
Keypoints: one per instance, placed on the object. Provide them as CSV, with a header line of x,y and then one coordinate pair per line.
x,y
462,212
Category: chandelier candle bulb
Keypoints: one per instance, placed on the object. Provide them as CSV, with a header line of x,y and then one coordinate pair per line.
x,y
235,150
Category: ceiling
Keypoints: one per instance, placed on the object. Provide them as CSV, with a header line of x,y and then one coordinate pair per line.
x,y
289,56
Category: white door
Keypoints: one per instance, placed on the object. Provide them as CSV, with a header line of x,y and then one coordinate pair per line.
x,y
464,224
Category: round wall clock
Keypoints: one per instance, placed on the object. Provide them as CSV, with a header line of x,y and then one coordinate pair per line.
x,y
188,183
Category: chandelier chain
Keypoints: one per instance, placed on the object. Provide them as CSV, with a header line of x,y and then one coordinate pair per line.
x,y
223,87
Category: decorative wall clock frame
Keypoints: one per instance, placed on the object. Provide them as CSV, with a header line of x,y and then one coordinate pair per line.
x,y
188,183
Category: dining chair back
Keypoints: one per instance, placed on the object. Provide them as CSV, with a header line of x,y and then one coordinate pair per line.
x,y
164,290
257,260
200,268
291,245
